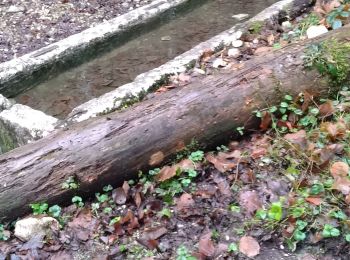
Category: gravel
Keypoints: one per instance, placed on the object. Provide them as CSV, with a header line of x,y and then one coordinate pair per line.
x,y
27,25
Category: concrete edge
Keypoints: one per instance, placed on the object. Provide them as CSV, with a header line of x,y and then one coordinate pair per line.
x,y
57,56
145,81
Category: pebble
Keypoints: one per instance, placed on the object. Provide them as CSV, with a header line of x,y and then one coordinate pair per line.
x,y
240,17
219,63
15,9
27,228
237,43
316,30
233,52
286,25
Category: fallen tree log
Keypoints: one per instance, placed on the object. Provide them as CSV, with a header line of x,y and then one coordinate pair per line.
x,y
112,148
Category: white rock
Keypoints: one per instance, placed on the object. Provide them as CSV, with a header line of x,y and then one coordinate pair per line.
x,y
15,9
4,103
199,71
27,228
240,17
255,41
233,52
26,123
286,25
233,37
237,43
218,63
316,30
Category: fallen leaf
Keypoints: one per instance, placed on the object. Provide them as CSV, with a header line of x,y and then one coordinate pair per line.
x,y
265,121
250,201
258,153
262,50
314,200
184,202
326,109
206,55
138,199
119,196
249,246
298,139
339,169
223,185
154,233
220,163
206,246
342,184
166,173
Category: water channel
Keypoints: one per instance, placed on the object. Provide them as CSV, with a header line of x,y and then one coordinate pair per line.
x,y
59,95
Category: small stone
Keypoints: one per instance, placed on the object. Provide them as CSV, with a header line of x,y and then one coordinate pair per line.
x,y
199,71
15,9
233,52
255,41
166,38
286,25
316,30
26,229
4,103
219,63
237,43
240,17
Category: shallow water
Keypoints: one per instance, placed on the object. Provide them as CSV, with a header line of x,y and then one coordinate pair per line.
x,y
59,95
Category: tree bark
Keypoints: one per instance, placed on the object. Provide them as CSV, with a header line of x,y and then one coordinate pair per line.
x,y
113,148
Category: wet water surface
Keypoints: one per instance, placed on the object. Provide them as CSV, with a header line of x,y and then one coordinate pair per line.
x,y
59,95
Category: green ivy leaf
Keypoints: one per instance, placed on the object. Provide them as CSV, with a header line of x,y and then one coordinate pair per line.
x,y
275,212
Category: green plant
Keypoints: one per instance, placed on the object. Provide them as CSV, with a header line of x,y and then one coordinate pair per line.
x,y
256,27
39,208
70,183
240,130
275,212
165,212
309,20
337,16
232,247
114,220
183,254
196,156
107,188
329,58
55,211
78,201
330,231
3,235
101,198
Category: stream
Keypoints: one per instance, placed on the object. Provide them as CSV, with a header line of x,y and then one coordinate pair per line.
x,y
59,95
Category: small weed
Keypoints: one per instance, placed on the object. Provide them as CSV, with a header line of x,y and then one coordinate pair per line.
x,y
336,17
3,235
196,156
183,254
70,183
55,211
330,58
39,208
232,247
256,27
78,201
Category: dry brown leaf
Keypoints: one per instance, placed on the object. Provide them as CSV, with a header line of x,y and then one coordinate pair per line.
x,y
166,173
326,109
184,202
298,139
258,153
339,169
206,246
249,246
314,200
262,50
220,162
119,196
250,201
206,55
223,185
265,121
342,184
